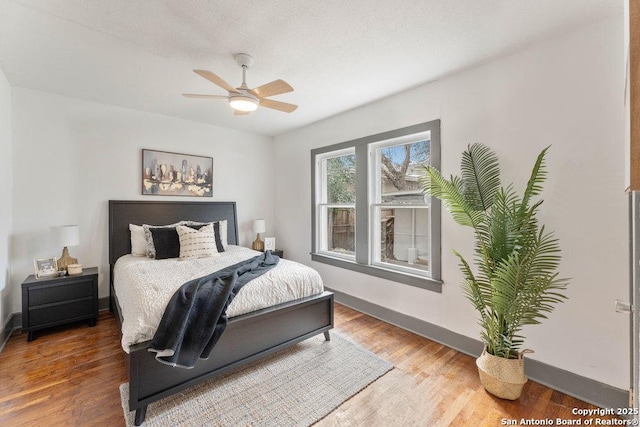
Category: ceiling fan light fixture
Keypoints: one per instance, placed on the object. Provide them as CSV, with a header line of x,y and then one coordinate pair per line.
x,y
243,102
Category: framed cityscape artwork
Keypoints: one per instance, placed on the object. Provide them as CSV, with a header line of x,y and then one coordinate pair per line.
x,y
174,174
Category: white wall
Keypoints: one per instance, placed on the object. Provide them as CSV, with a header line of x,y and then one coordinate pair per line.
x,y
5,196
71,156
566,92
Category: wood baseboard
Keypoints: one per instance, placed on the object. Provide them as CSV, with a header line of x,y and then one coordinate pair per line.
x,y
583,388
14,322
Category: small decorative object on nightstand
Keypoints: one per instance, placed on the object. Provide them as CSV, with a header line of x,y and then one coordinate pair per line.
x,y
53,301
269,243
74,269
66,235
258,226
45,267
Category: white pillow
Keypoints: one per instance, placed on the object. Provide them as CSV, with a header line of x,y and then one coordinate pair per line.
x,y
223,230
196,243
138,240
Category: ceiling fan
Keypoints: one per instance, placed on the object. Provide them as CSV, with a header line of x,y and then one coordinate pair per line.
x,y
242,99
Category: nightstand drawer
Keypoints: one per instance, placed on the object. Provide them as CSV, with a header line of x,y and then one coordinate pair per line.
x,y
65,311
60,292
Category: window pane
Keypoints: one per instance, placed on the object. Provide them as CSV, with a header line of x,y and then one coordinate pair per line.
x,y
341,179
404,237
400,167
341,230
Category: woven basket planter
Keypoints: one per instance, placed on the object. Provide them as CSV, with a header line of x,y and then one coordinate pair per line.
x,y
502,377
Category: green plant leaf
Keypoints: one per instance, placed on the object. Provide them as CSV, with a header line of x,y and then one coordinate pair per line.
x,y
480,173
537,178
450,192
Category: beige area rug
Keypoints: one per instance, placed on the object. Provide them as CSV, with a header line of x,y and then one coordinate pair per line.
x,y
294,387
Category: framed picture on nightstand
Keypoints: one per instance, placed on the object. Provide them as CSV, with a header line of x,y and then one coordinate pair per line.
x,y
45,267
269,243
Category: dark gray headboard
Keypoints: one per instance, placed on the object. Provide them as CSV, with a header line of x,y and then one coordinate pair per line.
x,y
125,212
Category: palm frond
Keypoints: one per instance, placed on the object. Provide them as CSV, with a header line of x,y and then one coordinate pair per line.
x,y
450,192
527,285
477,290
537,178
504,228
480,173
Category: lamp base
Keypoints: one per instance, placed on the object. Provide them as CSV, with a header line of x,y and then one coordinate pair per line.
x,y
65,259
258,245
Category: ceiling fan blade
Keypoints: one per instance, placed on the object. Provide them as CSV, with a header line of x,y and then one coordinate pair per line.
x,y
275,87
278,105
241,113
214,78
195,95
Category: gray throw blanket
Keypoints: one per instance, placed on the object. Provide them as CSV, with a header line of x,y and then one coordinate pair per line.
x,y
196,317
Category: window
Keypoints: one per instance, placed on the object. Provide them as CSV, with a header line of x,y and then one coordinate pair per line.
x,y
400,211
370,213
337,203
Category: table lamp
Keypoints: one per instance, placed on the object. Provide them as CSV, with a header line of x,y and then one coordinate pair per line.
x,y
258,226
66,235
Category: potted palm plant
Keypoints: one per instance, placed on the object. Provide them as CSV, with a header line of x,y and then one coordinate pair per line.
x,y
515,280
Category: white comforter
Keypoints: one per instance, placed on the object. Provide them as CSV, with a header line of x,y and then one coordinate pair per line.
x,y
145,286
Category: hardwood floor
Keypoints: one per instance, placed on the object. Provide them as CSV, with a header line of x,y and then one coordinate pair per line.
x,y
67,376
433,385
70,376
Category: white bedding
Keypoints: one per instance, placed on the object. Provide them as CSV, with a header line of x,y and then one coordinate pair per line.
x,y
144,287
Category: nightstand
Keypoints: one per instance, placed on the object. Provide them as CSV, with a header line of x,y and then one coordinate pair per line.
x,y
278,252
53,301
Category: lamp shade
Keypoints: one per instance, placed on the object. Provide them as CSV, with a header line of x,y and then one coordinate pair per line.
x,y
258,226
66,235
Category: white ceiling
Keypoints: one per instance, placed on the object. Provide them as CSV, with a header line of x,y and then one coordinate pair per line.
x,y
337,54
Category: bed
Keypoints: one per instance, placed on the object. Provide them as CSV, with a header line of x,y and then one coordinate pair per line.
x,y
247,337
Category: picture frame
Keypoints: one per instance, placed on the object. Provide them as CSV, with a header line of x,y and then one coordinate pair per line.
x,y
165,173
45,267
269,243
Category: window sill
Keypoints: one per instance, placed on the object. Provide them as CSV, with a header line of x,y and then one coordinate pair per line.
x,y
396,276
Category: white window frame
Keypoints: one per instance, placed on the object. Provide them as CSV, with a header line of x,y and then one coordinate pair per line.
x,y
375,197
362,262
322,205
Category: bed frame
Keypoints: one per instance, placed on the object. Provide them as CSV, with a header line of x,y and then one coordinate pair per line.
x,y
246,338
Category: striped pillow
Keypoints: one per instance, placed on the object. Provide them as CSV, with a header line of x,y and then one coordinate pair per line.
x,y
196,243
219,229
